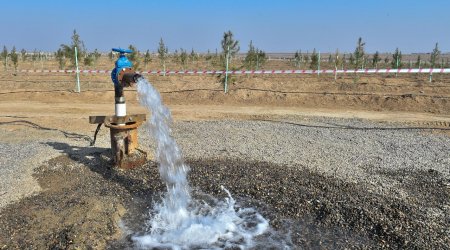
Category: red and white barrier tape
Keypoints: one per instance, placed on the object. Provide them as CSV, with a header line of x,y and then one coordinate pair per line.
x,y
268,72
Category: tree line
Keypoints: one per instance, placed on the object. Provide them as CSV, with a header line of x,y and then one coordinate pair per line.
x,y
359,59
254,58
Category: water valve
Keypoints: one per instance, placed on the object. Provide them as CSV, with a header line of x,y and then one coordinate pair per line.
x,y
122,76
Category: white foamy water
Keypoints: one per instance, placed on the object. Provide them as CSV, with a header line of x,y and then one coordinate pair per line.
x,y
179,221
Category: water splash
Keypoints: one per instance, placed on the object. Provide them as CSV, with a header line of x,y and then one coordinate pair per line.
x,y
179,221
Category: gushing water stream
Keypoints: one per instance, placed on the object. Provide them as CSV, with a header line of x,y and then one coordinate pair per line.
x,y
179,221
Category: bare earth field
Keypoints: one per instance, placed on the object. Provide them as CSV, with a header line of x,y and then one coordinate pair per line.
x,y
359,163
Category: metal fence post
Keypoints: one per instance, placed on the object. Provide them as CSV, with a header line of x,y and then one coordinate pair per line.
x,y
78,72
226,69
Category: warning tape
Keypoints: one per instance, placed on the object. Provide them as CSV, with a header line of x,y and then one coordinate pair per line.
x,y
250,72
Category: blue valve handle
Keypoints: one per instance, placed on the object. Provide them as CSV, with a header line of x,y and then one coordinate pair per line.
x,y
121,63
122,51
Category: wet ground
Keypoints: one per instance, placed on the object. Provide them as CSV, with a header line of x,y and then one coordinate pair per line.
x,y
86,203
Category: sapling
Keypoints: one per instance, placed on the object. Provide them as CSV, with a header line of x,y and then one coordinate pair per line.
x,y
60,57
23,53
162,54
69,50
375,59
434,58
359,53
14,58
230,46
337,61
314,60
147,58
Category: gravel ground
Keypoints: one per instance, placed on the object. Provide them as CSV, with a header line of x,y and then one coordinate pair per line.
x,y
21,152
351,149
16,169
390,184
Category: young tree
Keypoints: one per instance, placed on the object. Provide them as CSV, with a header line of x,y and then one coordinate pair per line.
x,y
365,62
162,54
397,59
314,60
386,60
418,62
96,56
434,59
229,46
111,56
250,58
88,59
261,59
435,56
359,53
23,54
216,58
352,61
176,56
147,58
193,56
91,58
14,57
134,57
376,59
4,56
298,57
306,57
337,61
183,58
208,56
34,57
61,58
69,50
344,60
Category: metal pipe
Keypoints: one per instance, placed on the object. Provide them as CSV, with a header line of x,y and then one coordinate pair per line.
x,y
226,70
78,71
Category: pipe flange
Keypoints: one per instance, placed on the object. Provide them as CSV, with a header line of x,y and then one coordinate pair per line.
x,y
126,126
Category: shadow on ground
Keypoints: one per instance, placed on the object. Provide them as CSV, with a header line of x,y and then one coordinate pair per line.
x,y
81,204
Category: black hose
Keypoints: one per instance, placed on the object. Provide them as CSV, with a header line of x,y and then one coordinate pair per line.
x,y
95,134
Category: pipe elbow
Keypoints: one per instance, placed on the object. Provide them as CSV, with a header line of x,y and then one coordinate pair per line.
x,y
128,77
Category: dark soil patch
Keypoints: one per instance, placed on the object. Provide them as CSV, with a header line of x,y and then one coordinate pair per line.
x,y
294,193
81,204
83,200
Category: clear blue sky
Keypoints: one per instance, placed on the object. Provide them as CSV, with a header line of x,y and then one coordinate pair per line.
x,y
274,26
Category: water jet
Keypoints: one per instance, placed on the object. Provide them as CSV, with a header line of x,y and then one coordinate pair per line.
x,y
178,220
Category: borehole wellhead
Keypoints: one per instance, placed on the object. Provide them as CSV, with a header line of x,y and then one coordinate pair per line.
x,y
123,128
122,76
